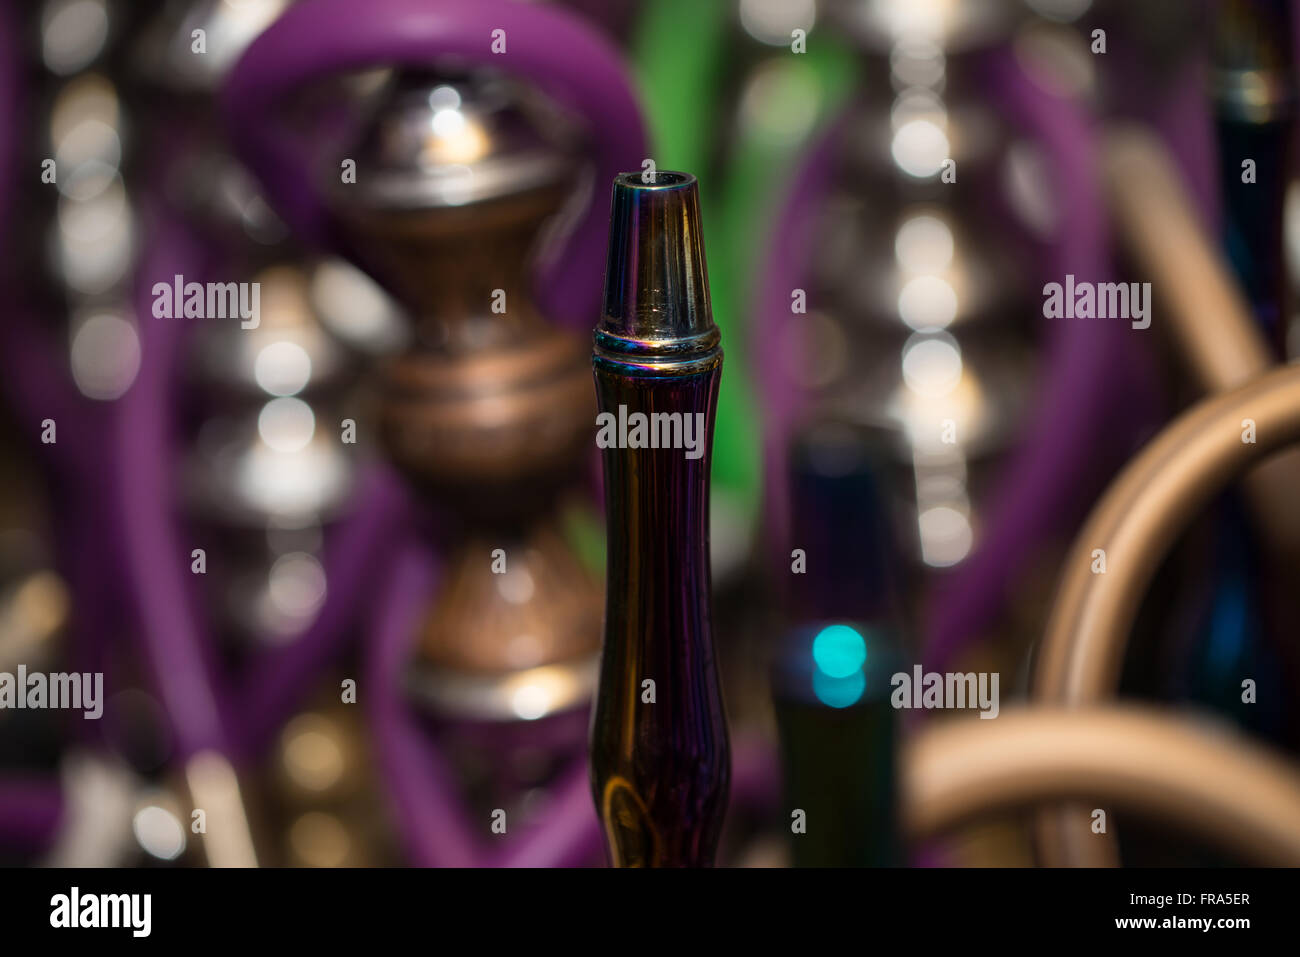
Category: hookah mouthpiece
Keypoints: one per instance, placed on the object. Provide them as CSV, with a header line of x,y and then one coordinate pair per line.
x,y
660,760
657,316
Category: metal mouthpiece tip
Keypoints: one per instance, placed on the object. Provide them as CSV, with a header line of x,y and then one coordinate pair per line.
x,y
660,179
656,308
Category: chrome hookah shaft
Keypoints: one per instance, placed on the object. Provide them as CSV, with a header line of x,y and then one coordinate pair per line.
x,y
659,751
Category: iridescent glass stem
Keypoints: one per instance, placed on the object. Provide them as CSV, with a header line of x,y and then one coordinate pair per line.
x,y
659,751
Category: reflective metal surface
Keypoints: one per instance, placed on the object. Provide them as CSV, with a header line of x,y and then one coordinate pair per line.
x,y
487,411
660,759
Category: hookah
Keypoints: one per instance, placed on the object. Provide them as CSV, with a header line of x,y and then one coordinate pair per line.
x,y
318,517
1069,746
174,642
137,434
1026,492
968,601
486,412
264,487
98,228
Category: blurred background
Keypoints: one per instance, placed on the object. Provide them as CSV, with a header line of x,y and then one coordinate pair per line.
x,y
277,543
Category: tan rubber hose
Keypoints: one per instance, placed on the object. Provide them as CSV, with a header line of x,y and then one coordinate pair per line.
x,y
1134,525
1203,778
1201,306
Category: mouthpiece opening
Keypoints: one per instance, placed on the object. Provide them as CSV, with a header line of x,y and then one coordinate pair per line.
x,y
659,179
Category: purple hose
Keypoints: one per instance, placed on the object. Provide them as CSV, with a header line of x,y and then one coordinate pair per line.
x,y
566,832
1085,372
31,810
1088,381
157,560
357,557
30,814
1185,121
579,70
154,561
420,782
755,773
32,381
35,389
561,54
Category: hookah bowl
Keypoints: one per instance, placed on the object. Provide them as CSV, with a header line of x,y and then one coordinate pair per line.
x,y
660,758
488,411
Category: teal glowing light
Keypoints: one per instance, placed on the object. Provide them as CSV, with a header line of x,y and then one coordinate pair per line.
x,y
839,692
839,651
